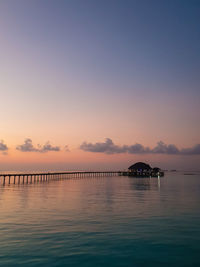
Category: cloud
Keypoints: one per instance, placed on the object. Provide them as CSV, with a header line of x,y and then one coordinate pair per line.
x,y
49,147
108,147
137,149
162,148
28,147
195,150
3,147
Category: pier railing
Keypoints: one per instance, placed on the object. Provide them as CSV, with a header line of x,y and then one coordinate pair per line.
x,y
27,178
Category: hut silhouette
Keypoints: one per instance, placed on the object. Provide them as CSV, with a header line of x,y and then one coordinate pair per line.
x,y
140,167
156,170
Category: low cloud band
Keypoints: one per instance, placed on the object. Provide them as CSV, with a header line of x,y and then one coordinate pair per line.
x,y
108,147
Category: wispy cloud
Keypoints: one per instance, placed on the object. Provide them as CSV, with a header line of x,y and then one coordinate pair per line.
x,y
27,146
108,147
3,147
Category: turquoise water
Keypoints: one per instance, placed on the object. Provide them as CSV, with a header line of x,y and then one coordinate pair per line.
x,y
102,221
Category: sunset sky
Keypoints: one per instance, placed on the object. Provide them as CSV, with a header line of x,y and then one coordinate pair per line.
x,y
99,85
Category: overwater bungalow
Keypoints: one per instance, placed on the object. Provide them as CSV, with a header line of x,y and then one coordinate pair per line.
x,y
141,169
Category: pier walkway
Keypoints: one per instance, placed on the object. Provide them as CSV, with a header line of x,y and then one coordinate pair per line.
x,y
28,178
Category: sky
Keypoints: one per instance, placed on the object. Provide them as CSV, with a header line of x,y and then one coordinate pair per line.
x,y
99,85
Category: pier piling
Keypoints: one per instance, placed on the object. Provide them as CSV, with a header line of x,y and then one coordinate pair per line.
x,y
44,177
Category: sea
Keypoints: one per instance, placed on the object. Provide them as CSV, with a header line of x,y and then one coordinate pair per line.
x,y
102,221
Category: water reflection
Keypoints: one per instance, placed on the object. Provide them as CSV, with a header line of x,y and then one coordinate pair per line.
x,y
142,184
120,219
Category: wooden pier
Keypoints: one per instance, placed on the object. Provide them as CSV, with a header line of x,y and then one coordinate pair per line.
x,y
29,178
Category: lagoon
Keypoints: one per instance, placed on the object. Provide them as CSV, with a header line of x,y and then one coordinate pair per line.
x,y
102,221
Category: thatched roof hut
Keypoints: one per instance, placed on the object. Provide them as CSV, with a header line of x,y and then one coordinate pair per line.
x,y
140,166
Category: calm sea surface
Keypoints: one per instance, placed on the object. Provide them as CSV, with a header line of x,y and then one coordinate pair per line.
x,y
102,221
